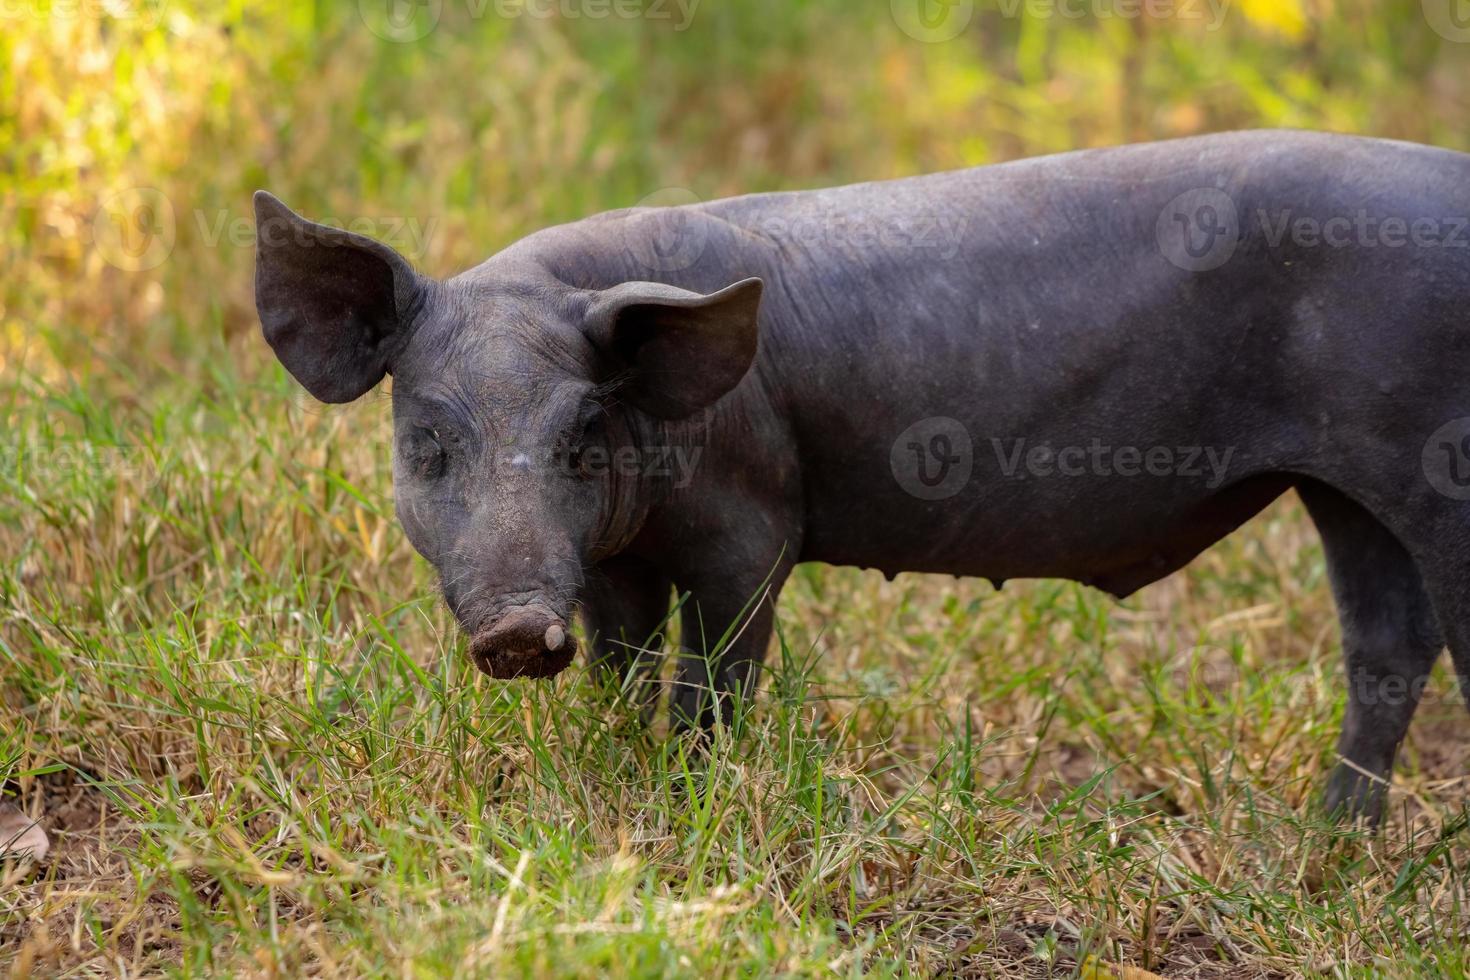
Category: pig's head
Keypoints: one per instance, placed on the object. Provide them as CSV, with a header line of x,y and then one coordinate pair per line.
x,y
511,399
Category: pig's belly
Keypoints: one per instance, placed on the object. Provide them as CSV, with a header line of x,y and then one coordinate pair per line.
x,y
1117,534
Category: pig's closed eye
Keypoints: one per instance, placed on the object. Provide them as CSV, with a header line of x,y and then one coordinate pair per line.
x,y
585,433
427,453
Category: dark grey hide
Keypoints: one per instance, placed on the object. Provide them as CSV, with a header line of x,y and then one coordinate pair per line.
x,y
1089,366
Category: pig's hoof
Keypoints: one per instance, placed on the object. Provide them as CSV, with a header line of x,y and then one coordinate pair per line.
x,y
527,641
1354,796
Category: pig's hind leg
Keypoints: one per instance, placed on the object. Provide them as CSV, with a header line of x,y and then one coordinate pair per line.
x,y
1390,641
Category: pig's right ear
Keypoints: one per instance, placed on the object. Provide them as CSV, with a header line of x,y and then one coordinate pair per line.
x,y
336,307
676,352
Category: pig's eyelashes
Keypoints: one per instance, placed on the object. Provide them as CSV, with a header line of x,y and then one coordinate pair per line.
x,y
585,433
427,453
573,457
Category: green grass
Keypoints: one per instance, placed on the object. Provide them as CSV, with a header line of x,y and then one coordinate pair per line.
x,y
234,702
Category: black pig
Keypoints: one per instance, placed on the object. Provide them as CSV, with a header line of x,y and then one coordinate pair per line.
x,y
1090,366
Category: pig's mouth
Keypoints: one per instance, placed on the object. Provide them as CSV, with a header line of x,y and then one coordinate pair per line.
x,y
526,641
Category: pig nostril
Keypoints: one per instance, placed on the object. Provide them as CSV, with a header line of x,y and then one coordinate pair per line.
x,y
524,642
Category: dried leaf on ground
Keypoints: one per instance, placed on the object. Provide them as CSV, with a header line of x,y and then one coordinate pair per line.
x,y
20,836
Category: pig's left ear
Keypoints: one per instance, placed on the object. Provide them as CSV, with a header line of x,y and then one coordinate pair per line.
x,y
677,351
336,307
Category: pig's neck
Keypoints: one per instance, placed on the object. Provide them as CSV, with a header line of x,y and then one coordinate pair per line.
x,y
633,491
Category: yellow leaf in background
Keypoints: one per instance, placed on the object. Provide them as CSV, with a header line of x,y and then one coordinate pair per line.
x,y
364,534
1283,16
1096,969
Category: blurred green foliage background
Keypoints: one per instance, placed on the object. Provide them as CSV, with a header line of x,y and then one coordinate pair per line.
x,y
133,131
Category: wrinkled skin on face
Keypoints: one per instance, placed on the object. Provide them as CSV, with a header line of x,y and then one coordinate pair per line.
x,y
492,427
513,401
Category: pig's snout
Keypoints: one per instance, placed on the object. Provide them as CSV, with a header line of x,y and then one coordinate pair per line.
x,y
524,641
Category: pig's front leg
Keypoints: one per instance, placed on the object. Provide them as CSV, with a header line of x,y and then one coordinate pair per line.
x,y
726,627
625,606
